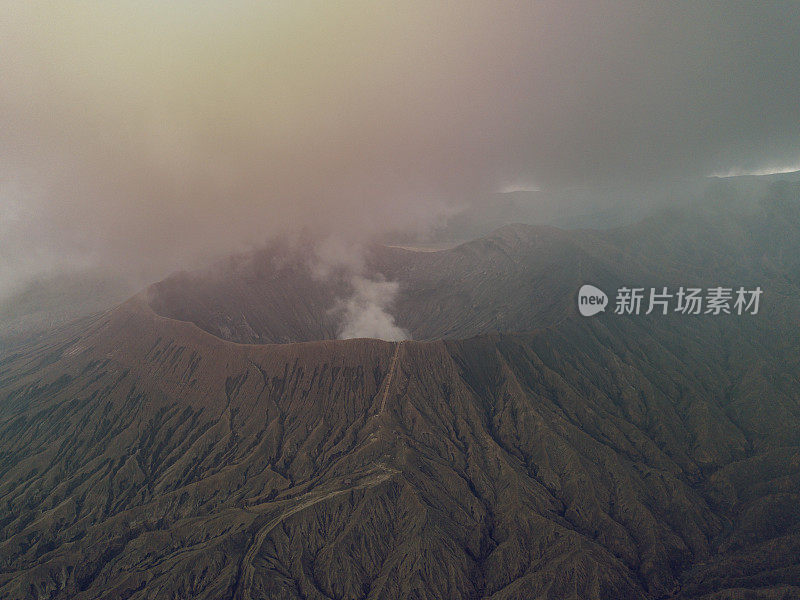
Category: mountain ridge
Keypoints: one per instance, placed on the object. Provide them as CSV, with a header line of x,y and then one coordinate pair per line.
x,y
639,457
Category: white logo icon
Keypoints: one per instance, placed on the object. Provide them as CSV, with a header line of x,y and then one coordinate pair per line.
x,y
591,300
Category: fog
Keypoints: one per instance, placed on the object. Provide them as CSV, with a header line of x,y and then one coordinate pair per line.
x,y
146,136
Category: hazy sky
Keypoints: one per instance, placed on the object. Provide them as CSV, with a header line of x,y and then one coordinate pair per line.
x,y
143,134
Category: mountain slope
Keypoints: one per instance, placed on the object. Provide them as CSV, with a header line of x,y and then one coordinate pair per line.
x,y
636,457
172,463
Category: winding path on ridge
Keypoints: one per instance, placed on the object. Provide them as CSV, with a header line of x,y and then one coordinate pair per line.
x,y
247,570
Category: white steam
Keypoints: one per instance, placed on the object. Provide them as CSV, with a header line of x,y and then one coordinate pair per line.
x,y
364,310
365,314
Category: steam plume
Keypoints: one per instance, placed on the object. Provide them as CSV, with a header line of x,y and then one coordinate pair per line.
x,y
365,313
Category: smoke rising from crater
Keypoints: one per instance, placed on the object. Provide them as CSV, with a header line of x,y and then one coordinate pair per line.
x,y
366,311
366,314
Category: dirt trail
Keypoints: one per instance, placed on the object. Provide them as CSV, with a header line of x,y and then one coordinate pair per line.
x,y
248,570
389,377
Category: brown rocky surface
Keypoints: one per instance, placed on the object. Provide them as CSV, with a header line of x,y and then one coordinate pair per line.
x,y
613,457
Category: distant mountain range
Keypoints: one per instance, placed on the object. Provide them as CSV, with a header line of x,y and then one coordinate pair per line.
x,y
54,300
210,438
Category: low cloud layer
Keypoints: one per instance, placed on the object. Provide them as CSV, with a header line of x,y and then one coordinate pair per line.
x,y
143,136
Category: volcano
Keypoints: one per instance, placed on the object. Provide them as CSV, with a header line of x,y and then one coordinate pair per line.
x,y
211,438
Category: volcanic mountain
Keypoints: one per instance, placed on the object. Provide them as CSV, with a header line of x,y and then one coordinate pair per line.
x,y
209,438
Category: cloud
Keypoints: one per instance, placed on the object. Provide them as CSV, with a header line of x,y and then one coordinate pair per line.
x,y
763,170
147,135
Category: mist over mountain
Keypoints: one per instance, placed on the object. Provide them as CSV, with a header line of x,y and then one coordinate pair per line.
x,y
77,291
518,278
476,300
